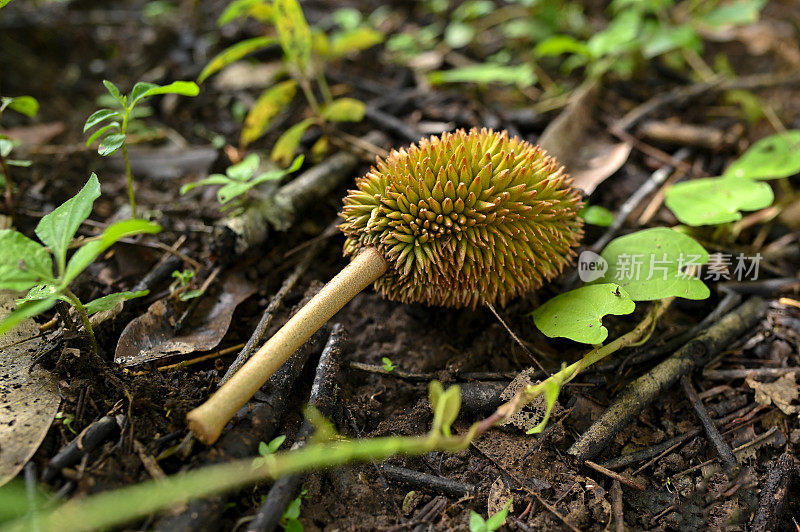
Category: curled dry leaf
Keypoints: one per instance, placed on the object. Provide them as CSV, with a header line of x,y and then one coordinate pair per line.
x,y
28,399
781,393
152,336
577,141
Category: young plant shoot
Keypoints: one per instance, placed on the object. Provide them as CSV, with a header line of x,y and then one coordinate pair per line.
x,y
465,219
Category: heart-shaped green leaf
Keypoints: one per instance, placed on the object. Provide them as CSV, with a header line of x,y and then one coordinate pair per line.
x,y
716,200
578,314
650,265
772,157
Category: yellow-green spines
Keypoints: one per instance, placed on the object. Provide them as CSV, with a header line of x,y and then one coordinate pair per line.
x,y
464,219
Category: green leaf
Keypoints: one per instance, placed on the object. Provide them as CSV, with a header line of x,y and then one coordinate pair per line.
x,y
459,34
213,179
40,292
649,265
772,157
3,3
57,228
476,522
345,110
354,40
102,131
450,405
111,144
144,90
114,91
234,53
735,13
91,250
266,108
578,314
519,75
25,311
100,116
6,145
191,294
498,519
259,9
293,32
716,200
597,215
275,443
110,301
617,37
244,170
232,191
26,105
551,390
292,511
560,44
287,144
23,262
665,39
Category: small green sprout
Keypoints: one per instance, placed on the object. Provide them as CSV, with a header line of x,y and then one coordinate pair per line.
x,y
306,51
181,284
116,121
28,265
596,215
28,106
388,365
479,524
265,449
66,421
289,520
240,178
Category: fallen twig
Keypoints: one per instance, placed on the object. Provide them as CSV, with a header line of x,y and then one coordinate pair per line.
x,y
773,493
424,481
722,447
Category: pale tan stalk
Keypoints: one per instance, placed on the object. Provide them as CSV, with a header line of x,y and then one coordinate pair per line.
x,y
208,420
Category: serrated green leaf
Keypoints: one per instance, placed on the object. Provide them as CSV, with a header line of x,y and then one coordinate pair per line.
x,y
259,9
519,75
354,40
110,144
578,314
101,131
597,215
57,228
345,110
266,108
773,157
87,253
114,91
25,311
23,262
716,200
100,116
26,105
649,265
234,53
293,32
148,90
286,145
110,301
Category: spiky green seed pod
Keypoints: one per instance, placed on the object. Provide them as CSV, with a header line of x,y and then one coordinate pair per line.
x,y
465,219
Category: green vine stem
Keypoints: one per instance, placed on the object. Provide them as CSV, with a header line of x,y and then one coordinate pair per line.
x,y
84,316
9,187
128,172
559,379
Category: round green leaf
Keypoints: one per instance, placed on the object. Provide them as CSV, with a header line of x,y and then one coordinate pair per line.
x,y
772,157
716,200
650,265
27,105
345,110
578,314
597,215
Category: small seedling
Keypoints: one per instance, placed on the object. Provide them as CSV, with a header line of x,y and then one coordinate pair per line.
x,y
181,284
265,449
479,524
28,265
465,219
388,365
597,215
28,106
289,519
114,132
306,51
66,421
240,178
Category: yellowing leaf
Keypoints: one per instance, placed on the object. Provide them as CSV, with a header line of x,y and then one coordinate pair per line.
x,y
345,110
267,107
293,32
234,53
284,148
354,40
